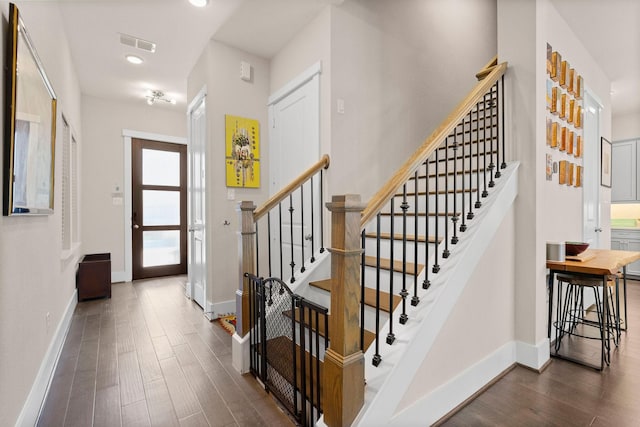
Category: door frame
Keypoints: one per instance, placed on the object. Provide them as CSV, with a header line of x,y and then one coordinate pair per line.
x,y
127,135
592,161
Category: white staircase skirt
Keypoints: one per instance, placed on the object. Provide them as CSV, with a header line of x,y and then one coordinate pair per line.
x,y
387,383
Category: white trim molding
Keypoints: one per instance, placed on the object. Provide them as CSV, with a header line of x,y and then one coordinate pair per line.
x,y
446,397
533,356
40,388
216,309
240,356
294,84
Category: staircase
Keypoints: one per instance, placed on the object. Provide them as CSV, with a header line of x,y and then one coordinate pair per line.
x,y
395,256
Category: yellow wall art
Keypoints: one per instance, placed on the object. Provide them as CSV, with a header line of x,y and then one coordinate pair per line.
x,y
242,138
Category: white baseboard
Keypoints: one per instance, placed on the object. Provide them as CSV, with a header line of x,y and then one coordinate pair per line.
x,y
240,357
533,356
215,310
33,405
119,276
445,398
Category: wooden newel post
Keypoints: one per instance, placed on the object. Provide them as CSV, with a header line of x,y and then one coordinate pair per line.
x,y
343,382
246,257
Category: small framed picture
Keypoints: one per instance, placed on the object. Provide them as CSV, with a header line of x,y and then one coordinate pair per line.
x,y
556,61
579,87
571,110
562,172
571,84
578,176
554,100
605,163
570,142
564,74
570,174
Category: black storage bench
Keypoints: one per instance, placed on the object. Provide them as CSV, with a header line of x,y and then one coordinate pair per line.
x,y
93,278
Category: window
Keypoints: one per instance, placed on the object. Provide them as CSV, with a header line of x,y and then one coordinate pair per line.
x,y
69,198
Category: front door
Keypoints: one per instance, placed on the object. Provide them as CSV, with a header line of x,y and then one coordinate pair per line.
x,y
197,206
159,214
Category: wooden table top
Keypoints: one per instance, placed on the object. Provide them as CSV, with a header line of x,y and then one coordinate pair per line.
x,y
604,262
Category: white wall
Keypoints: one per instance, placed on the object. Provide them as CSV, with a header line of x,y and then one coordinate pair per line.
x,y
481,322
34,279
103,166
625,126
218,68
544,210
400,68
311,45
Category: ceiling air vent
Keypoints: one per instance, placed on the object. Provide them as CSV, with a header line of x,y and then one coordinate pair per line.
x,y
132,41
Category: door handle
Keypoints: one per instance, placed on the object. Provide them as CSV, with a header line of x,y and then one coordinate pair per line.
x,y
598,230
136,226
308,237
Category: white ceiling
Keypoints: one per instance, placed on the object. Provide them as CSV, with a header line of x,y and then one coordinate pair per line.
x,y
609,28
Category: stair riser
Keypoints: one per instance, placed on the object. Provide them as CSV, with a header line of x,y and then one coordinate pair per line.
x,y
385,226
307,345
442,200
448,175
319,296
385,282
370,319
431,185
385,249
462,164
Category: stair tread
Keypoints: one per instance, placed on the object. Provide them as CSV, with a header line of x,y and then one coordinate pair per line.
x,y
432,192
466,156
449,173
369,336
370,299
314,327
369,295
410,237
386,264
421,214
280,358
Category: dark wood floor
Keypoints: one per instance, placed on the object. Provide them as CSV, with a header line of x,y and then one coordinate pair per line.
x,y
567,394
147,356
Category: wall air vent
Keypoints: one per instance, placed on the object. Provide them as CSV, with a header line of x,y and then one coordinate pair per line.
x,y
132,41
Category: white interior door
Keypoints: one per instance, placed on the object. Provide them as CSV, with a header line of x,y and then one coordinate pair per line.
x,y
591,193
295,146
197,209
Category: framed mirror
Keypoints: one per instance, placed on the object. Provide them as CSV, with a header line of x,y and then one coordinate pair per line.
x,y
29,127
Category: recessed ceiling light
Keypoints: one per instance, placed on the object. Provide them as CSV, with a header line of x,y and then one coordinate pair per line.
x,y
134,59
199,3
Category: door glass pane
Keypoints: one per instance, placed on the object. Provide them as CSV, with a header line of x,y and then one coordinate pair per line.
x,y
160,207
160,167
160,248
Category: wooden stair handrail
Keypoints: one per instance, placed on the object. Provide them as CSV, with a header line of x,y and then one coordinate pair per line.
x,y
429,145
484,71
273,201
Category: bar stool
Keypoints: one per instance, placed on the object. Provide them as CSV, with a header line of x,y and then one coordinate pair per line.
x,y
572,317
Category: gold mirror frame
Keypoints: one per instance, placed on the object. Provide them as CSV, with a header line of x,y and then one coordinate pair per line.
x,y
29,127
